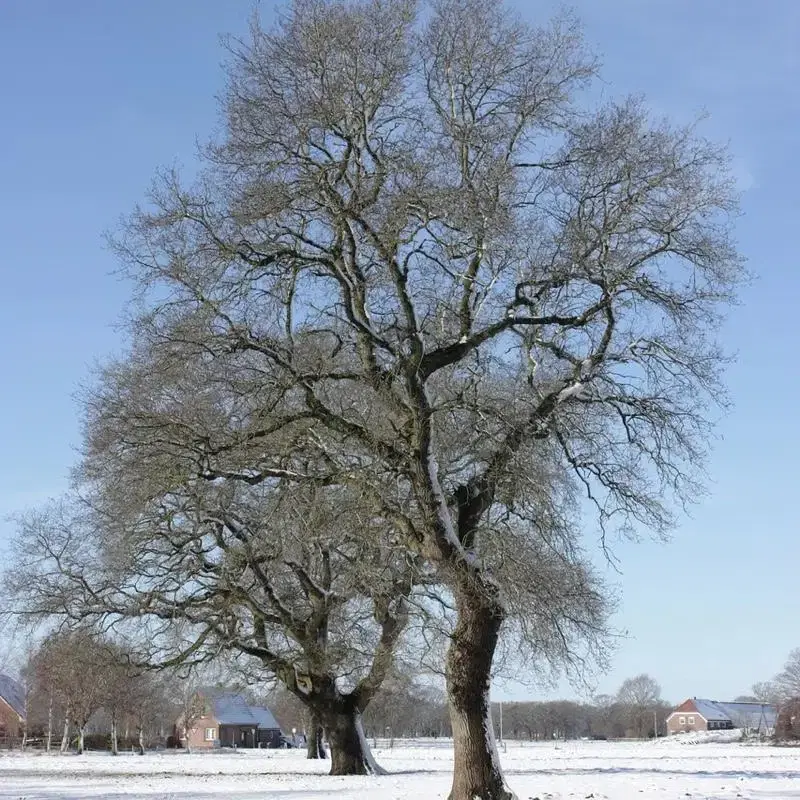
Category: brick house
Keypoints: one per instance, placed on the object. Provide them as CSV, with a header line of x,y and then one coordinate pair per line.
x,y
710,715
12,710
228,721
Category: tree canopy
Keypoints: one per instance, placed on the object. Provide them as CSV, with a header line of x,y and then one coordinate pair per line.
x,y
416,267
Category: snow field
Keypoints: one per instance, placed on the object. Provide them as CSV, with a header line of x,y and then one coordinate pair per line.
x,y
667,770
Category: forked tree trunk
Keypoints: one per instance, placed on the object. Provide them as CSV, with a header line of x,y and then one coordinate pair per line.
x,y
347,752
340,718
477,773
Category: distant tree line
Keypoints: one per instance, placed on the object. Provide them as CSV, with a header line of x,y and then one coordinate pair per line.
x,y
84,691
405,708
636,711
564,719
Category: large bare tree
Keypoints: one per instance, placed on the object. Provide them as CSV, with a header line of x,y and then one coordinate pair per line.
x,y
640,699
411,223
269,575
175,525
452,279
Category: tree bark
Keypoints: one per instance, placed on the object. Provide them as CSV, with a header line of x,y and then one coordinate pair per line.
x,y
347,753
65,737
314,744
27,715
141,740
477,773
49,723
81,738
114,738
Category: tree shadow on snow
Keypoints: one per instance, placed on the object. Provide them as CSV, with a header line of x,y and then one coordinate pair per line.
x,y
731,774
44,792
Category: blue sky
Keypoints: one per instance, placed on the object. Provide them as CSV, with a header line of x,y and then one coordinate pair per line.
x,y
97,94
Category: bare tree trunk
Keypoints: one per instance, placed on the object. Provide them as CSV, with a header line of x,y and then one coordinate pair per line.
x,y
81,738
27,714
314,744
141,739
114,738
476,772
347,752
50,723
65,737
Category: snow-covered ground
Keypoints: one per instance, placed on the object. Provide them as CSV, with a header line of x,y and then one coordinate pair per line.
x,y
578,770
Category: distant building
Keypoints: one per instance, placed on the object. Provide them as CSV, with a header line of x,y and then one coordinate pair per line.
x,y
228,721
712,715
12,709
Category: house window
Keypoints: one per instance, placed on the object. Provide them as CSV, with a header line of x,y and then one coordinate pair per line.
x,y
682,720
211,734
691,720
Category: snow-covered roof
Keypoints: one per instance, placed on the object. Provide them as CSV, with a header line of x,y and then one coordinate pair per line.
x,y
711,711
233,709
265,719
751,715
742,715
13,693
